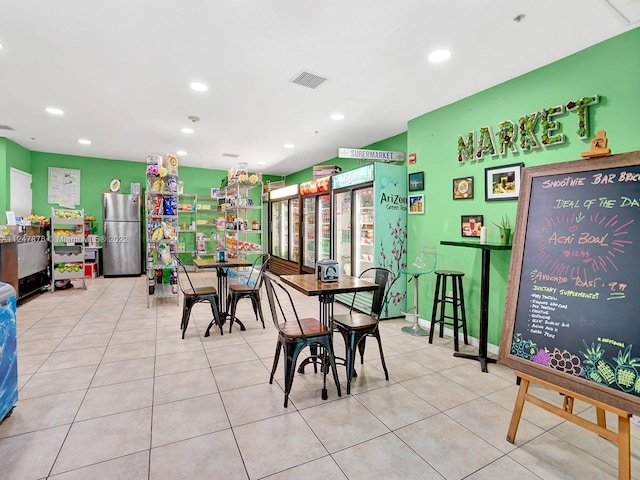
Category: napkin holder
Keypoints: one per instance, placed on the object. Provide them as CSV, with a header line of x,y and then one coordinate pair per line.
x,y
327,271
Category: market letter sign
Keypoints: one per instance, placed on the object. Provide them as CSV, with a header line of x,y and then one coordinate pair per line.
x,y
522,136
377,155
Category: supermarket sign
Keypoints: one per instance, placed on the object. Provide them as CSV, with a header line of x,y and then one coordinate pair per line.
x,y
376,155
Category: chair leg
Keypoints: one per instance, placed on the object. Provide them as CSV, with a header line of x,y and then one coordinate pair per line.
x,y
257,307
434,311
350,347
186,313
361,347
276,358
384,365
464,315
232,312
328,351
443,305
291,351
456,341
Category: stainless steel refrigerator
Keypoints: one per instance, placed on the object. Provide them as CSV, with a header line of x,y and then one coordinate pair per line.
x,y
121,215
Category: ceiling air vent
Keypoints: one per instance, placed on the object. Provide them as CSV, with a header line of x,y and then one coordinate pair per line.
x,y
307,79
6,127
231,155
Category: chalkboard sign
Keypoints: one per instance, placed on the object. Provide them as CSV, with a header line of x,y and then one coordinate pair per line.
x,y
572,315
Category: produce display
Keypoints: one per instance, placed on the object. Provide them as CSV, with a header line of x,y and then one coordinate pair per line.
x,y
68,267
71,214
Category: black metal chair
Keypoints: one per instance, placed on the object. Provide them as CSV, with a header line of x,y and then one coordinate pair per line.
x,y
356,326
193,295
249,290
295,335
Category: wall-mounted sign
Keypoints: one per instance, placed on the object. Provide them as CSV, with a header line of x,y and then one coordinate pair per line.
x,y
376,155
513,137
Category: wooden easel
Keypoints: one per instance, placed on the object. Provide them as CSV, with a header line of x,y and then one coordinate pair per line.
x,y
622,437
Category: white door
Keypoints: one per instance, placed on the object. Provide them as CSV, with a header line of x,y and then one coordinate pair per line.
x,y
20,193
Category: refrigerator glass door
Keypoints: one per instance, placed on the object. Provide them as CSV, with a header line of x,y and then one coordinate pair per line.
x,y
323,235
122,251
342,206
294,211
309,232
280,229
120,207
364,252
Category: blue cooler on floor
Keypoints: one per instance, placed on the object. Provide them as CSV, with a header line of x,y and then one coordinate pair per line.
x,y
8,356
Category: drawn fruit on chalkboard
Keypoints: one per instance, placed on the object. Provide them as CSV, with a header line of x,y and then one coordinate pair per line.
x,y
626,372
566,362
542,357
591,358
605,370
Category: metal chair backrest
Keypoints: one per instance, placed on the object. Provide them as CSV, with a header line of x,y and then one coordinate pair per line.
x,y
183,267
258,269
381,277
274,289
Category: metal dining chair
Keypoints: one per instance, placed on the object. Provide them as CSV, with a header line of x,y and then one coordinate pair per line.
x,y
295,334
249,290
356,326
192,295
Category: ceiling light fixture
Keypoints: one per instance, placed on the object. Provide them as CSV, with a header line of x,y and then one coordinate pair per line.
x,y
181,152
187,130
54,111
198,86
288,145
261,163
438,56
84,141
337,116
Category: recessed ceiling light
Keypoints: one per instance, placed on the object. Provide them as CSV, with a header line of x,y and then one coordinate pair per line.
x,y
181,152
84,141
262,162
337,116
187,130
288,145
54,111
198,87
439,56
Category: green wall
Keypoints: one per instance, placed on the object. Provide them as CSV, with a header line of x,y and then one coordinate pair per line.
x,y
12,155
433,137
96,174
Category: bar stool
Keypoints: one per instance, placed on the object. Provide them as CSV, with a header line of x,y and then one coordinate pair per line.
x,y
441,299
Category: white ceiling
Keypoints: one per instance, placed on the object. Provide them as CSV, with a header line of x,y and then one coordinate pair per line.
x,y
121,69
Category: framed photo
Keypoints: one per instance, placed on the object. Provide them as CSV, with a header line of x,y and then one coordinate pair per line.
x,y
470,225
416,204
416,181
215,192
462,188
502,183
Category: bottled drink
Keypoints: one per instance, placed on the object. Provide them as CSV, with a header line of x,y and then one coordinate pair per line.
x,y
151,282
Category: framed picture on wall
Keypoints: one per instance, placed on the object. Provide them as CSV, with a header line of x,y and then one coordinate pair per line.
x,y
502,183
462,188
470,225
416,181
416,204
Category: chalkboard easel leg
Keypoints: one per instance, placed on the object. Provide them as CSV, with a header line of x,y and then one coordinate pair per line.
x,y
517,409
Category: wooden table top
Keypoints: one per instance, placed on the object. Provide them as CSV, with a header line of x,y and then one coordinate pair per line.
x,y
213,263
310,285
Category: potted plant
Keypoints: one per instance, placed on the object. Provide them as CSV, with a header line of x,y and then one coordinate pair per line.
x,y
505,230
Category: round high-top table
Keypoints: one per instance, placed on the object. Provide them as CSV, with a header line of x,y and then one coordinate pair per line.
x,y
415,329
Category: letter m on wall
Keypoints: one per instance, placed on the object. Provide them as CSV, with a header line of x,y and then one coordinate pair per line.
x,y
466,147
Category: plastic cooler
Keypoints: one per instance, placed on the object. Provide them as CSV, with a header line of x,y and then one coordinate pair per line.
x,y
8,356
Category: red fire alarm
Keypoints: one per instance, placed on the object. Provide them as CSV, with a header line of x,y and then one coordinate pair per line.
x,y
412,158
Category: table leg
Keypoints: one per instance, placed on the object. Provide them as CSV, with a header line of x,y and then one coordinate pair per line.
x,y
326,315
415,329
221,273
484,316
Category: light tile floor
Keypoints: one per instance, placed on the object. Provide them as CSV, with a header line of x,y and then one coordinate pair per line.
x,y
109,390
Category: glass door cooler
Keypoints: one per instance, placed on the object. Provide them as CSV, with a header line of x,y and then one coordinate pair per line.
x,y
370,229
284,230
316,222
